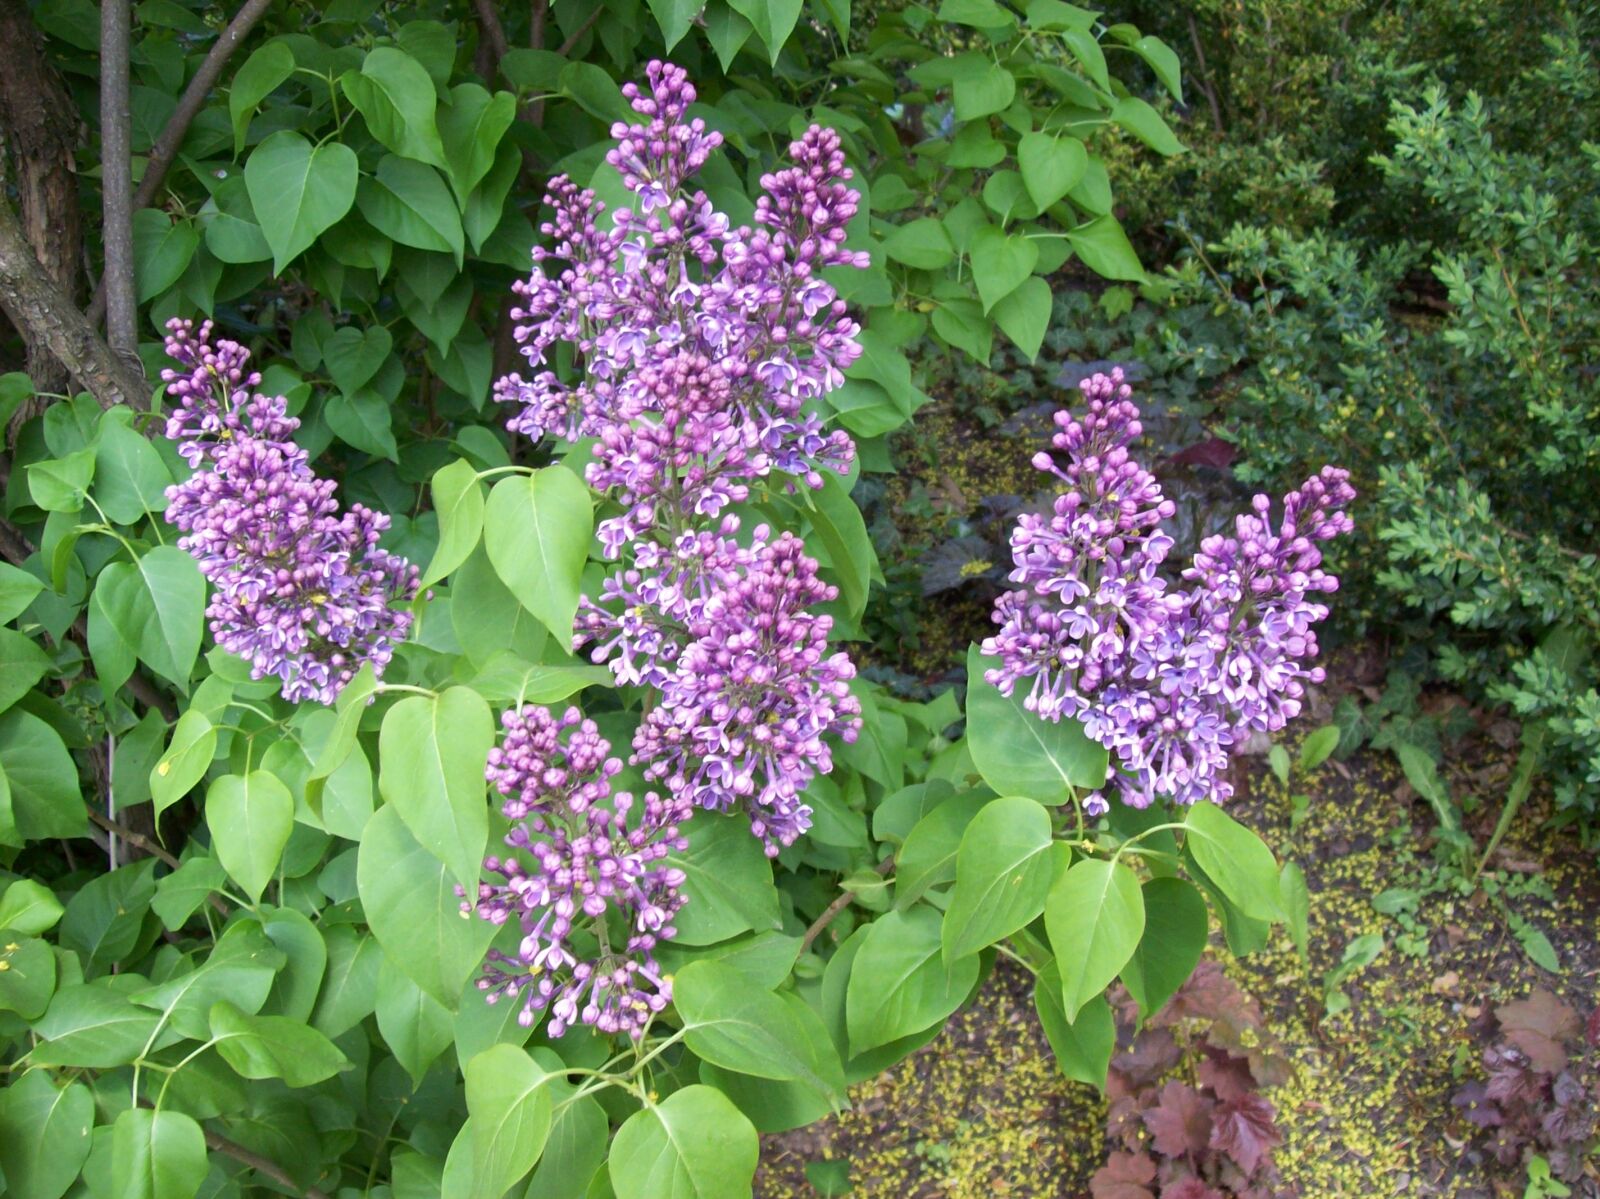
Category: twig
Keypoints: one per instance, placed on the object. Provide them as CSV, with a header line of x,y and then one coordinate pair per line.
x,y
138,840
594,15
116,185
165,151
492,29
269,1169
538,13
1204,77
834,908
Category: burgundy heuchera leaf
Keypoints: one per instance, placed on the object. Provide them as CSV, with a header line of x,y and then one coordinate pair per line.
x,y
1124,1176
1181,1122
1243,1128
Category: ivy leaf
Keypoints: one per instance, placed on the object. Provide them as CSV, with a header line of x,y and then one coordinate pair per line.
x,y
537,529
157,1155
1094,917
393,92
693,1145
431,755
250,818
298,192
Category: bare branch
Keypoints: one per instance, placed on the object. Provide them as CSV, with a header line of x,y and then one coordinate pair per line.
x,y
493,32
834,908
165,151
116,184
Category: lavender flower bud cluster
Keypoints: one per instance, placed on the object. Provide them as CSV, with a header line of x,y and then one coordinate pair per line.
x,y
301,590
588,879
1166,678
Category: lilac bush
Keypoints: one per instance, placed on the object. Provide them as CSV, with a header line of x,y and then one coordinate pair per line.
x,y
1166,678
302,591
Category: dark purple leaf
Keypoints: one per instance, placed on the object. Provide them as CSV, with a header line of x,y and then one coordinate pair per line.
x,y
1511,1077
1474,1100
1190,1188
1181,1122
1244,1129
1124,1176
1540,1026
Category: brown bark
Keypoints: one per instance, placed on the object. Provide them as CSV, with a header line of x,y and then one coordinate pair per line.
x,y
35,303
40,128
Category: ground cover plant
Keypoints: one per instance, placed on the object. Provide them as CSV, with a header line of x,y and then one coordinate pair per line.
x,y
456,736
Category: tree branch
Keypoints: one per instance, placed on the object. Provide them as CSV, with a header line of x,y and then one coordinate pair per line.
x,y
165,151
37,306
493,31
218,1143
116,184
594,15
833,909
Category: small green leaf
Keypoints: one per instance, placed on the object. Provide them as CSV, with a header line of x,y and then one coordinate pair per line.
x,y
732,1021
774,21
1000,262
1235,859
44,1134
157,605
22,664
1051,166
673,18
157,1155
431,755
28,907
162,250
250,818
458,500
257,79
41,777
1094,917
273,1047
981,86
409,202
193,746
900,983
1318,746
922,243
1296,905
393,92
537,530
727,879
1083,1046
61,484
353,356
1024,315
693,1145
508,1100
1003,873
298,191
1105,249
1145,123
1175,929
1278,759
1020,753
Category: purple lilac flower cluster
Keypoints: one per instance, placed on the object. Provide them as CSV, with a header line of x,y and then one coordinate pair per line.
x,y
302,591
588,878
746,688
701,343
1166,678
703,348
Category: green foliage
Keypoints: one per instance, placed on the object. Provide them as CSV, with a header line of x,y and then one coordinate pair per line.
x,y
289,979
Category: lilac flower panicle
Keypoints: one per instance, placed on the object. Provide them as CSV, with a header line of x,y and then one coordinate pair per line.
x,y
302,591
1167,679
592,892
701,352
